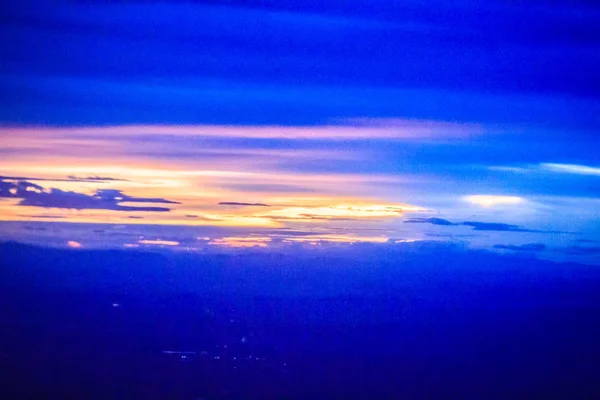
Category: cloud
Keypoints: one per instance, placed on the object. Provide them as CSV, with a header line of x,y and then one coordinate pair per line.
x,y
509,169
110,194
94,179
396,129
18,189
492,200
105,199
571,169
233,203
529,247
495,226
433,221
370,212
68,179
158,242
575,169
476,225
44,216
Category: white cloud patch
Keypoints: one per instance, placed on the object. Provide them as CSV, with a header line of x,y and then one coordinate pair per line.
x,y
492,200
550,167
571,169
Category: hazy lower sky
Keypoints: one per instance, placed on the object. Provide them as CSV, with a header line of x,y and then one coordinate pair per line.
x,y
268,123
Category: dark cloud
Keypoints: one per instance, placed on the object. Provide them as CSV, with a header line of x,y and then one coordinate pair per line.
x,y
95,179
529,247
448,235
18,189
434,221
109,194
106,199
495,226
476,225
233,203
135,217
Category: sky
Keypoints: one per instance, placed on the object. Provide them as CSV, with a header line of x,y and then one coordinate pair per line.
x,y
272,125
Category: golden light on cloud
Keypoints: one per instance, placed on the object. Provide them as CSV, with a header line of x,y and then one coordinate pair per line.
x,y
491,200
234,241
158,242
73,244
174,188
342,211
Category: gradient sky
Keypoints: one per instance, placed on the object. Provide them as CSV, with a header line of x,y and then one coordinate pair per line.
x,y
274,124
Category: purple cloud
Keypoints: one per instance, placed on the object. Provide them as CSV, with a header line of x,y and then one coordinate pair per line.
x,y
105,199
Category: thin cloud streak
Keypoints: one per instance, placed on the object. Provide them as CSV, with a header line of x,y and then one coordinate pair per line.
x,y
575,169
233,203
356,129
571,169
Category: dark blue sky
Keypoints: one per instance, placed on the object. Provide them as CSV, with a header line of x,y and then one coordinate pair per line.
x,y
228,61
448,100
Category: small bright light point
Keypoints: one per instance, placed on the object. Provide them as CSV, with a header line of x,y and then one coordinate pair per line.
x,y
490,200
73,244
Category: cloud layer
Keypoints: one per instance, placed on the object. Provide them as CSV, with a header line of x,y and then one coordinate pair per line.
x,y
476,225
34,195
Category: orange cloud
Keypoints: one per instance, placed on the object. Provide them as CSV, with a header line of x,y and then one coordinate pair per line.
x,y
199,184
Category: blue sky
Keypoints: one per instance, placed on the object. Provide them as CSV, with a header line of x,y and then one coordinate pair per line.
x,y
344,116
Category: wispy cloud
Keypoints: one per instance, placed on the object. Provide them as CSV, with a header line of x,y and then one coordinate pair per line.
x,y
233,203
368,129
476,225
433,221
575,169
571,169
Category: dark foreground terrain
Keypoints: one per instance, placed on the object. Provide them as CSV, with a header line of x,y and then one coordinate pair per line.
x,y
409,322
